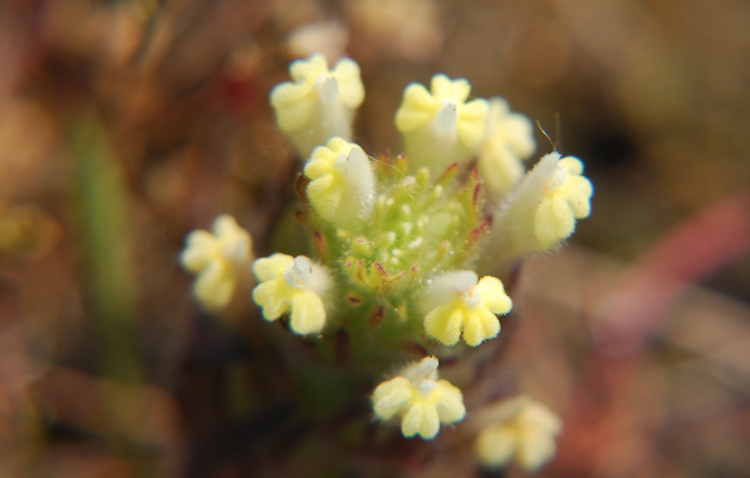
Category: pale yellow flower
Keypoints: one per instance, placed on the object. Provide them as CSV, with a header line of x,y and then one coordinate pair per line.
x,y
319,103
421,400
296,285
543,209
342,189
462,303
566,199
509,140
439,126
522,428
215,257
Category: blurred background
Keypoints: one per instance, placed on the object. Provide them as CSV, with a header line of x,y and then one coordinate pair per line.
x,y
126,124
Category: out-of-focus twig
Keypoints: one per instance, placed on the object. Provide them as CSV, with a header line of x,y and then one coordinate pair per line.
x,y
104,203
636,311
695,250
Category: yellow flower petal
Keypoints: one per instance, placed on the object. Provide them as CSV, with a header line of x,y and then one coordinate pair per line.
x,y
450,402
225,226
536,415
293,105
417,108
472,118
445,89
325,194
316,168
509,140
535,448
391,397
554,221
579,191
272,297
310,69
214,285
444,323
479,326
421,419
493,295
199,251
495,446
339,146
500,167
572,165
272,267
308,314
350,85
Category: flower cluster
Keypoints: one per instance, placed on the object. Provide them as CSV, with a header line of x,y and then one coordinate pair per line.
x,y
396,240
